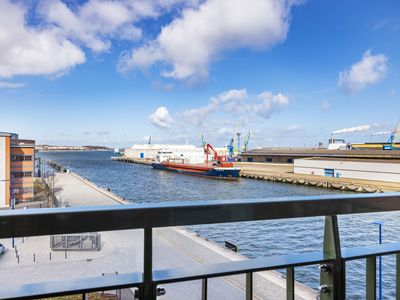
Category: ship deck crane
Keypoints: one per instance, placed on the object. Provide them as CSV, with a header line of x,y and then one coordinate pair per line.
x,y
221,160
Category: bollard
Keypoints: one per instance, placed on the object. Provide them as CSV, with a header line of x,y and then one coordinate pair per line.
x,y
34,257
18,259
65,254
50,255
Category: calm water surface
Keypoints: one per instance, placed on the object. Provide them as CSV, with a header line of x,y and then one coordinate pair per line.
x,y
139,183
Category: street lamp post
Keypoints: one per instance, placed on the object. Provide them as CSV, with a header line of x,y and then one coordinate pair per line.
x,y
380,224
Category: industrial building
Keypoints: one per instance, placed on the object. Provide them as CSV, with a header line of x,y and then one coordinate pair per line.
x,y
164,151
17,159
356,168
288,155
161,152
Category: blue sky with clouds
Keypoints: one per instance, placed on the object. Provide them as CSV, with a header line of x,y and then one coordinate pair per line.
x,y
114,72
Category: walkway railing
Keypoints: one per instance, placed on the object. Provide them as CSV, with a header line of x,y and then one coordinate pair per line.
x,y
332,260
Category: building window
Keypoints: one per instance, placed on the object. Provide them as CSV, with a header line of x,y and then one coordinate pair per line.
x,y
268,159
21,191
250,159
329,172
290,160
21,157
21,174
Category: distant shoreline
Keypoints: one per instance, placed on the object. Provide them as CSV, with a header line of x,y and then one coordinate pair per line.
x,y
75,150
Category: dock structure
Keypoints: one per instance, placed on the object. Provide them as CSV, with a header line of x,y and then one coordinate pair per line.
x,y
127,159
122,252
56,166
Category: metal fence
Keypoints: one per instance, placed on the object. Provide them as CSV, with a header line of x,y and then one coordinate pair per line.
x,y
332,259
77,242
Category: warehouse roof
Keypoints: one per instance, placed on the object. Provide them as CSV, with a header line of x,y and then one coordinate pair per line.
x,y
395,161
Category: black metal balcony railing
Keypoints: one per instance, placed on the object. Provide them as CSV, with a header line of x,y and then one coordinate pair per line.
x,y
332,260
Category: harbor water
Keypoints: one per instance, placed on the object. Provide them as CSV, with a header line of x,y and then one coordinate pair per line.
x,y
140,184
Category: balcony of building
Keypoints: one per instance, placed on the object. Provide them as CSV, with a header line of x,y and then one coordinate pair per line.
x,y
151,282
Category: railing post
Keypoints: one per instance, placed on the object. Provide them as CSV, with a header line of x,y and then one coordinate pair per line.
x,y
332,275
398,276
148,290
290,283
249,286
370,283
204,288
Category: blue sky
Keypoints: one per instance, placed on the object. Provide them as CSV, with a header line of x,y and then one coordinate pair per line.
x,y
113,72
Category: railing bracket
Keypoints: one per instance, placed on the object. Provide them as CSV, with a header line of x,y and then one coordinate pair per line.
x,y
160,291
324,268
324,289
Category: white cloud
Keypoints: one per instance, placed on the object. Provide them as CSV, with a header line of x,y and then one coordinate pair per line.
x,y
360,128
95,23
54,43
231,101
11,85
199,36
161,118
31,51
369,70
270,103
198,116
233,95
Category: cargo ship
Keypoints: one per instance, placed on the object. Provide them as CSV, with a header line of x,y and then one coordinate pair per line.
x,y
218,169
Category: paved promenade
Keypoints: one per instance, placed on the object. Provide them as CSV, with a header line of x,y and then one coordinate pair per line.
x,y
122,252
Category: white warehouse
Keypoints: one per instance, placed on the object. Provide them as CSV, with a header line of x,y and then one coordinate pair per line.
x,y
153,151
369,169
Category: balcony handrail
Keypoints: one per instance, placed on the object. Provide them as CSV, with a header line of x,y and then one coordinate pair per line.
x,y
50,221
34,222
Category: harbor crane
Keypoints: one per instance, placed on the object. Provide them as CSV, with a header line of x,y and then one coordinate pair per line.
x,y
246,141
203,142
238,134
236,140
230,147
394,136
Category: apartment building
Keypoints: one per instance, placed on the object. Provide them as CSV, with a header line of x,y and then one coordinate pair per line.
x,y
17,161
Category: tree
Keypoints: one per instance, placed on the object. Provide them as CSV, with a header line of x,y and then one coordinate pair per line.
x,y
50,189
